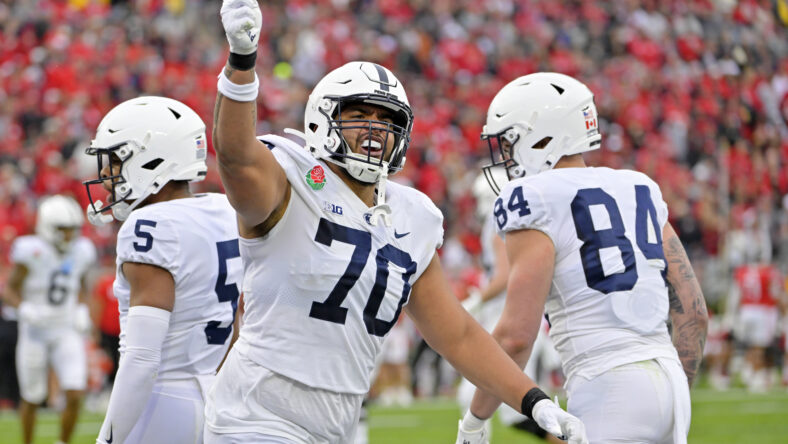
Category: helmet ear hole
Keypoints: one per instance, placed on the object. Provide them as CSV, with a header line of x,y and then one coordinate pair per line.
x,y
540,145
153,164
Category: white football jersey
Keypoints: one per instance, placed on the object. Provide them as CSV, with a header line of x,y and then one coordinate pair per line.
x,y
196,240
608,303
491,310
323,287
53,279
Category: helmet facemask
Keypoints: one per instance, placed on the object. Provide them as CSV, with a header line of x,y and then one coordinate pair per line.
x,y
114,158
367,167
501,146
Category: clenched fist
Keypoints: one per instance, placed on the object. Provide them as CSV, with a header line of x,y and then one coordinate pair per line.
x,y
242,21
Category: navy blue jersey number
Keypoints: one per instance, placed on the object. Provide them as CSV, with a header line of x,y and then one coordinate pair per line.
x,y
615,236
645,210
516,203
214,332
331,309
142,248
58,287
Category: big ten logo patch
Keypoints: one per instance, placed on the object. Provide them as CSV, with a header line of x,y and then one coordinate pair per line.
x,y
331,208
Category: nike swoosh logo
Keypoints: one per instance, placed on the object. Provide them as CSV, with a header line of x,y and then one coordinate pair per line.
x,y
109,440
498,115
251,35
399,236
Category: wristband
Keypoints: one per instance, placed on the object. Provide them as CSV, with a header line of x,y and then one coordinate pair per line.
x,y
240,93
530,399
242,62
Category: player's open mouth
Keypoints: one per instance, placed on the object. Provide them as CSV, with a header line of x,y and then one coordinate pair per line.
x,y
373,147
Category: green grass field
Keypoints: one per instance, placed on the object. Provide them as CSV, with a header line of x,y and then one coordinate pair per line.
x,y
731,417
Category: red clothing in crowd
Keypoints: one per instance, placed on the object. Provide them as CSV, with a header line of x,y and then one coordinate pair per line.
x,y
109,323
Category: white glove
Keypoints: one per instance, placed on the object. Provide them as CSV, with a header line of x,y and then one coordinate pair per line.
x,y
95,217
475,433
551,417
473,303
242,21
81,320
33,314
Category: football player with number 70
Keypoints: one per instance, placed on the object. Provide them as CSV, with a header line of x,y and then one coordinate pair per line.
x,y
333,253
178,269
594,248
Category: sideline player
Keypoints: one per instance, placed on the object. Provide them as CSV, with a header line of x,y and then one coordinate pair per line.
x,y
47,285
333,252
593,246
177,268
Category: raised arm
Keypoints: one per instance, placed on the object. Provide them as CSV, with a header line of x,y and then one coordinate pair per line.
x,y
688,313
255,183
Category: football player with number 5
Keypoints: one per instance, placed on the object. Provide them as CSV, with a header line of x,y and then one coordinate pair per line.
x,y
333,253
178,269
594,248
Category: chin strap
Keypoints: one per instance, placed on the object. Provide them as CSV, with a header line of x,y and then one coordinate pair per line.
x,y
381,209
295,132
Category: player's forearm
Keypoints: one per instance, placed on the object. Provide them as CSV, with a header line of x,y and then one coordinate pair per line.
x,y
146,330
234,123
485,364
11,297
688,314
688,334
495,287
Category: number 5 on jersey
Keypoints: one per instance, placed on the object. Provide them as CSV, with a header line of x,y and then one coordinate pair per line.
x,y
226,250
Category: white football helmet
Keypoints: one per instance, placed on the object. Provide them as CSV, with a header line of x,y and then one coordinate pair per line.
x,y
484,190
352,83
153,140
536,119
55,214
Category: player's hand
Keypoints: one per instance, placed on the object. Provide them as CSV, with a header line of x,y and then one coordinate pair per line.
x,y
551,417
473,303
242,21
32,314
472,436
81,319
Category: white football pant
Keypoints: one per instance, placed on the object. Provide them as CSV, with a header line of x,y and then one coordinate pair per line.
x,y
645,402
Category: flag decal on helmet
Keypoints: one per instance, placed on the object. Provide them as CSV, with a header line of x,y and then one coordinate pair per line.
x,y
590,118
316,178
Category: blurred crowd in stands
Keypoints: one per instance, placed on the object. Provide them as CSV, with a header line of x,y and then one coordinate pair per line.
x,y
693,93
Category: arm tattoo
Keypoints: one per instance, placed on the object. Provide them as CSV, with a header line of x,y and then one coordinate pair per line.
x,y
673,298
687,308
